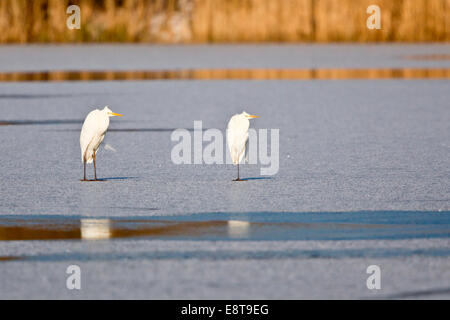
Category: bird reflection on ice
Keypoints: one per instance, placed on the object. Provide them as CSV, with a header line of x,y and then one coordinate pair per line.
x,y
238,229
95,229
300,226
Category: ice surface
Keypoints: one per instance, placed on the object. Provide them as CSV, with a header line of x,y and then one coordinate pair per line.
x,y
284,56
344,146
368,152
224,270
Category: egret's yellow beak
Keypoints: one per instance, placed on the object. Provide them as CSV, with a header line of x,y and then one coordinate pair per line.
x,y
116,114
252,116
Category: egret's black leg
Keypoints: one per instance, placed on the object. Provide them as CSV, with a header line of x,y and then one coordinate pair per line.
x,y
95,170
238,179
84,167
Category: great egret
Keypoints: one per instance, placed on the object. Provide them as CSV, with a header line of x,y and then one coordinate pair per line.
x,y
237,137
92,134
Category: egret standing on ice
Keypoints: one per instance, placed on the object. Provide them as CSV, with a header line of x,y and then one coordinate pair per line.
x,y
237,137
92,134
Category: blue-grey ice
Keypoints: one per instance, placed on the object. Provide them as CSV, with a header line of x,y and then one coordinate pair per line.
x,y
372,152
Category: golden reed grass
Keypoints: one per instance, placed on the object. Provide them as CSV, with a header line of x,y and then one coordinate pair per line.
x,y
197,21
227,74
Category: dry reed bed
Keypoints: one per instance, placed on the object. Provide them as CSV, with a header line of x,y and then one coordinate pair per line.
x,y
194,21
230,74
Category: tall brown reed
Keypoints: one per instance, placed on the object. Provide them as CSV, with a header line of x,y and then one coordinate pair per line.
x,y
189,21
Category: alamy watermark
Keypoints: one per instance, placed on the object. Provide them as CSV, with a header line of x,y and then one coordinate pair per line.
x,y
374,280
74,20
190,148
374,20
74,279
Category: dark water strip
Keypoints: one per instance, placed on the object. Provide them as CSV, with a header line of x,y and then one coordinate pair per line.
x,y
230,226
419,293
217,255
39,122
95,229
227,74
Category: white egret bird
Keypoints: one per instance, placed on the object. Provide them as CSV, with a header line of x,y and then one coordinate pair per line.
x,y
92,134
237,137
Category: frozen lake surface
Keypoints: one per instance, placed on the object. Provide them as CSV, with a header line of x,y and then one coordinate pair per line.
x,y
363,178
283,56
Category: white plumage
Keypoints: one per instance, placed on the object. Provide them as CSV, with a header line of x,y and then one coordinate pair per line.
x,y
92,134
237,137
